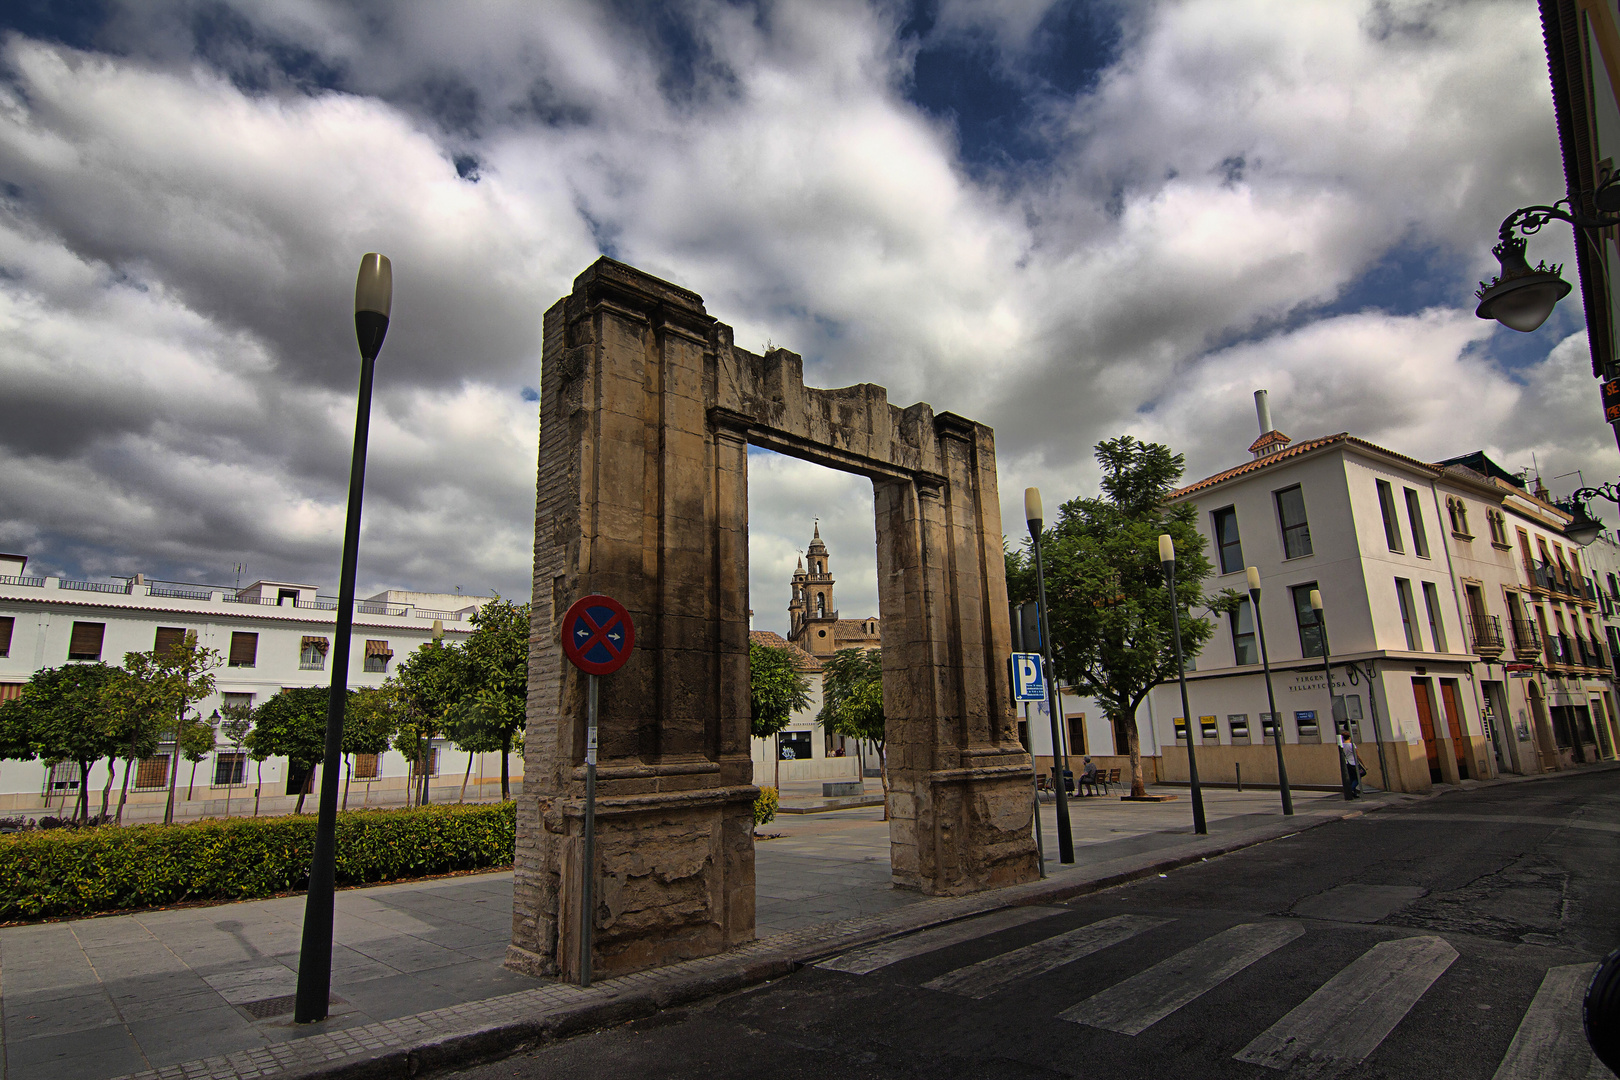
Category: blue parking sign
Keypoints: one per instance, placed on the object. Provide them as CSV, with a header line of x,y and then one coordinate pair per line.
x,y
1027,682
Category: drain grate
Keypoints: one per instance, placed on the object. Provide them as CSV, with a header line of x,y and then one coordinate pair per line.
x,y
278,1006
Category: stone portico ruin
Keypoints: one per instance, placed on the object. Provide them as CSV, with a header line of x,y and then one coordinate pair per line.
x,y
647,410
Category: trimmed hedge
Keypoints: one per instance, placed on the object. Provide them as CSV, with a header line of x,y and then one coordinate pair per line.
x,y
84,871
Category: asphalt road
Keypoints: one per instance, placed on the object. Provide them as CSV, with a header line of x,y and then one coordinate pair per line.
x,y
1448,940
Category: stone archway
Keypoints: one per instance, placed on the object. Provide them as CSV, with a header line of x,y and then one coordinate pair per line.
x,y
647,410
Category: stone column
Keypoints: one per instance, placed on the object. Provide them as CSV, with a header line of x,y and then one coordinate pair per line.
x,y
637,500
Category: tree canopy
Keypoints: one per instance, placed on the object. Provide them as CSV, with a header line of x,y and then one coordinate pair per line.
x,y
1108,608
776,688
291,724
494,678
62,716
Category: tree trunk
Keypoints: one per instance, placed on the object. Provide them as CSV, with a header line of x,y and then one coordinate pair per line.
x,y
106,790
465,777
1133,746
303,789
348,774
258,786
83,812
191,785
174,765
506,775
123,792
776,777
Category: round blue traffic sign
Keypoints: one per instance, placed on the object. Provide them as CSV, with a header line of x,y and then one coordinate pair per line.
x,y
597,635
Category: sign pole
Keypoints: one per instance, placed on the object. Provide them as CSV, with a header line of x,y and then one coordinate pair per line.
x,y
597,636
1035,781
588,890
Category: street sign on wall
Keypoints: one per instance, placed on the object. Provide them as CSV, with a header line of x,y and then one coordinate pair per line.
x,y
597,635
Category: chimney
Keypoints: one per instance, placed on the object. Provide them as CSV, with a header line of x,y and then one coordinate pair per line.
x,y
1271,440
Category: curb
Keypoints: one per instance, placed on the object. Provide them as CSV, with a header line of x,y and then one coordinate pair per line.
x,y
496,1028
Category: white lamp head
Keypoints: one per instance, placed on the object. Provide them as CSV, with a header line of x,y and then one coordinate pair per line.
x,y
1253,574
1316,599
1032,509
373,302
1167,548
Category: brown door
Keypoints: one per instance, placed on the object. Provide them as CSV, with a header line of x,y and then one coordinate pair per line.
x,y
1448,694
1423,694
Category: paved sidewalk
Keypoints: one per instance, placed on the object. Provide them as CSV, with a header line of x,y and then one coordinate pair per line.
x,y
206,992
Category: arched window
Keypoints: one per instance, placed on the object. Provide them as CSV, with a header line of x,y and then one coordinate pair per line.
x,y
821,603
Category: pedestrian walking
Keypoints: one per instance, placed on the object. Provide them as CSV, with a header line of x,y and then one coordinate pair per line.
x,y
1349,764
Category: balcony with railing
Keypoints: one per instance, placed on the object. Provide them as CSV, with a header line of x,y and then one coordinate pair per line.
x,y
1526,639
1486,634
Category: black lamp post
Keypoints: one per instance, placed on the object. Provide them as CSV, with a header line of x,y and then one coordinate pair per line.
x,y
373,297
1060,760
1167,559
1327,664
1253,574
1586,528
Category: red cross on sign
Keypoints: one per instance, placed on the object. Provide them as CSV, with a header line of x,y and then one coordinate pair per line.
x,y
597,635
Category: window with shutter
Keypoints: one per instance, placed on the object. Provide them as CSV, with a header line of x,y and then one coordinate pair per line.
x,y
152,772
377,656
9,690
312,653
6,623
167,638
244,649
86,641
366,766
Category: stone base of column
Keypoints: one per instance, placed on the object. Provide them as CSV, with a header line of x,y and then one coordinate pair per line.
x,y
983,835
675,878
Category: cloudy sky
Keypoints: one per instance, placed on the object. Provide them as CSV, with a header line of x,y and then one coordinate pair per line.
x,y
1066,220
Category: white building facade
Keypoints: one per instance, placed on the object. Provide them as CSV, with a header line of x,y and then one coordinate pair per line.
x,y
271,636
1461,639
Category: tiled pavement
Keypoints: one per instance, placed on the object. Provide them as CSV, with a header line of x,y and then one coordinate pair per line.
x,y
166,991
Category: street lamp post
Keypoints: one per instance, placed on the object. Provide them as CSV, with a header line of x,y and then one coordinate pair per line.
x,y
373,298
1253,574
1060,761
1327,666
1167,559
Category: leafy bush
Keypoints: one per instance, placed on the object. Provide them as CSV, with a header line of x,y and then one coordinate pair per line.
x,y
83,871
765,806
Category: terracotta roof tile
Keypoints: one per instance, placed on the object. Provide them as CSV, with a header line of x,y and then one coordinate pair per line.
x,y
1295,451
777,641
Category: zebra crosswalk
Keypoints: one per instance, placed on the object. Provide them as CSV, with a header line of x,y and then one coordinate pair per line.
x,y
1337,1026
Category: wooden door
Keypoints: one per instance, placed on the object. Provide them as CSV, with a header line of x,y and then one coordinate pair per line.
x,y
1423,694
1448,694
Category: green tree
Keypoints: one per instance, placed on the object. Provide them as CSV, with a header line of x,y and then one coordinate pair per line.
x,y
475,732
852,703
236,721
138,706
181,675
430,682
63,711
1109,611
369,724
776,690
292,724
495,674
197,740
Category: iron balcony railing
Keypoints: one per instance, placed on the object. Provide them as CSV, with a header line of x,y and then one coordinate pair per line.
x,y
175,593
1526,636
1487,635
94,586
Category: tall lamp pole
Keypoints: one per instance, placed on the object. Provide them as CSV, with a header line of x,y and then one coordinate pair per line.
x,y
1060,761
1167,559
1327,663
1253,574
373,298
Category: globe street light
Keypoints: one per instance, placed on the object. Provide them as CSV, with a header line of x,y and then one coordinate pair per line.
x,y
373,299
1167,559
1521,298
1060,761
1253,574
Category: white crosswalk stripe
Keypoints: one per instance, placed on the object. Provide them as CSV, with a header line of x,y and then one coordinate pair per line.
x,y
1550,1043
1352,1013
987,976
1133,1006
870,958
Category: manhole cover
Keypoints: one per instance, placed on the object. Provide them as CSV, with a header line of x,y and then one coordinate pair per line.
x,y
278,1006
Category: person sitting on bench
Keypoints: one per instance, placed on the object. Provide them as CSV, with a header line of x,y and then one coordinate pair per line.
x,y
1089,776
